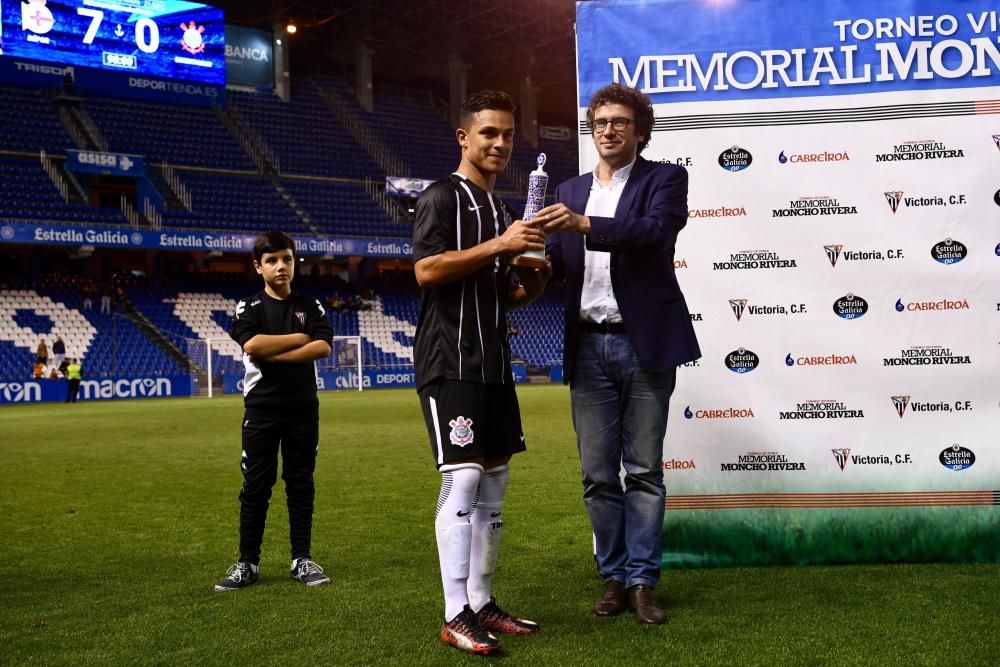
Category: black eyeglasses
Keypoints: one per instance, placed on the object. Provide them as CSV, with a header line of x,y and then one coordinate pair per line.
x,y
620,123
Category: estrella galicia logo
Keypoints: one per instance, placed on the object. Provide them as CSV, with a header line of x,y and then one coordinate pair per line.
x,y
893,199
850,306
738,306
7,232
136,238
742,361
833,253
735,159
949,251
900,403
957,457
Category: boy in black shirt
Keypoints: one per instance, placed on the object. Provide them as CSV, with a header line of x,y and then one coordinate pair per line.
x,y
282,334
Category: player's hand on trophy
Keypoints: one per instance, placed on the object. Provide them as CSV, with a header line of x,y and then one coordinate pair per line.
x,y
534,280
522,236
559,217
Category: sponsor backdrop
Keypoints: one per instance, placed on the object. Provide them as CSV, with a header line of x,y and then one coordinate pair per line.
x,y
842,265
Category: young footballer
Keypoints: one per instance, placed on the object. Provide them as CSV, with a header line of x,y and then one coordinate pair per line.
x,y
462,236
282,334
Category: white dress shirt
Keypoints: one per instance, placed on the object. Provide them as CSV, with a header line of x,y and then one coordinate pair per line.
x,y
597,301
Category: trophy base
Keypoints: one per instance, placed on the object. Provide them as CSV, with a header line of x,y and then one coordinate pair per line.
x,y
528,262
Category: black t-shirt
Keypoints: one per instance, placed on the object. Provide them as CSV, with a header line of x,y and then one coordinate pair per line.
x,y
462,331
274,390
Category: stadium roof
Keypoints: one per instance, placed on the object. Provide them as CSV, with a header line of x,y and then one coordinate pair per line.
x,y
500,40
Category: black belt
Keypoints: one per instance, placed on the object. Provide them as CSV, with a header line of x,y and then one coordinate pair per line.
x,y
602,327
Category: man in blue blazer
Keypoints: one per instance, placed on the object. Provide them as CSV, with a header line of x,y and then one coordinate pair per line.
x,y
627,328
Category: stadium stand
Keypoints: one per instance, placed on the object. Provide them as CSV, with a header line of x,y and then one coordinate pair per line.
x,y
305,134
234,202
29,122
29,194
109,345
317,179
188,136
344,208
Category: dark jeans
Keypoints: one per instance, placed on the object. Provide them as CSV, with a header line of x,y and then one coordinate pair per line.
x,y
71,391
298,442
620,416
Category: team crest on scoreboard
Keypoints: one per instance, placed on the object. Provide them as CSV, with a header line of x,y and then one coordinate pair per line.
x,y
192,40
461,431
37,18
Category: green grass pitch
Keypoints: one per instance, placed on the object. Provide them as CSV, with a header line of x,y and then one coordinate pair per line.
x,y
116,518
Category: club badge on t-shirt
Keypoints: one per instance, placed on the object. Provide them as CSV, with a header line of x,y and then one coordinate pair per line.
x,y
301,317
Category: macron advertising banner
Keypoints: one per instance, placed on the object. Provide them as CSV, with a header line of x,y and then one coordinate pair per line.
x,y
841,262
53,391
184,239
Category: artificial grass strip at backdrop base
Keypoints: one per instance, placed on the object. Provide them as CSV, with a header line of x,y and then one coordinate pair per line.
x,y
117,518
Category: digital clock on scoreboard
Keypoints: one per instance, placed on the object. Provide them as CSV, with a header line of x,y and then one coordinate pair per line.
x,y
165,38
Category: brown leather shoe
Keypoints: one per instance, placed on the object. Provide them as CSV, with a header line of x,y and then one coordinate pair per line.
x,y
613,601
642,601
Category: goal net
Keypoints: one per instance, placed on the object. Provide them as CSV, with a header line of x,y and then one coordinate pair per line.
x,y
343,369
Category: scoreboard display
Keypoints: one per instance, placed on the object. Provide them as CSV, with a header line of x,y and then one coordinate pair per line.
x,y
171,39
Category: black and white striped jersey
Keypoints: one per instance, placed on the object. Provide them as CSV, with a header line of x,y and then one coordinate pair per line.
x,y
273,390
462,331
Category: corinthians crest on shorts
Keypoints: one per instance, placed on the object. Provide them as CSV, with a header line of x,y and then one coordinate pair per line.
x,y
461,431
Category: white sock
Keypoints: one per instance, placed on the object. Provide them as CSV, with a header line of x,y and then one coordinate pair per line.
x,y
456,504
487,529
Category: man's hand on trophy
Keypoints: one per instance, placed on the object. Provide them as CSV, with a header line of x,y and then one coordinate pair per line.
x,y
559,217
522,236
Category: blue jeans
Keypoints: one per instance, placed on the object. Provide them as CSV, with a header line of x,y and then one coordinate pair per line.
x,y
620,416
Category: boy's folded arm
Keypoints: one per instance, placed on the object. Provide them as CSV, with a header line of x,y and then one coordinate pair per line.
x,y
311,351
263,346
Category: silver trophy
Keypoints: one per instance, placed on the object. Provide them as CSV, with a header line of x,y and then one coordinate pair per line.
x,y
538,181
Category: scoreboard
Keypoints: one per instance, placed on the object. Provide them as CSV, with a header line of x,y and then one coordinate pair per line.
x,y
171,39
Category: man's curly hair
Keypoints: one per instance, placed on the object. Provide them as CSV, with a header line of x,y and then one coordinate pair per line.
x,y
630,97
